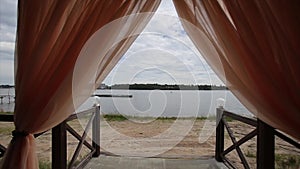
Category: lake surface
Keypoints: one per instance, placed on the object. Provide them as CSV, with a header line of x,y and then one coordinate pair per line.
x,y
166,103
156,103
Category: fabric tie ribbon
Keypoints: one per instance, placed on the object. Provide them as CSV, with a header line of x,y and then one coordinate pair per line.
x,y
16,133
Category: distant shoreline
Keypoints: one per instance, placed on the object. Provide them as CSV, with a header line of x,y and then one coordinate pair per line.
x,y
161,87
6,86
150,87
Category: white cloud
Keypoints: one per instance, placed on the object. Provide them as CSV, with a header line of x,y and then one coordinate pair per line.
x,y
162,54
8,13
8,23
6,71
7,47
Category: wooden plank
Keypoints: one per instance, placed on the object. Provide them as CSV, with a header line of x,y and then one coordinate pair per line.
x,y
287,139
6,117
246,120
96,132
78,137
240,142
112,95
82,113
59,146
228,162
85,160
265,146
79,146
237,148
219,136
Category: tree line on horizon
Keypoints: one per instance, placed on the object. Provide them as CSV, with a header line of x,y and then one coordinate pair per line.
x,y
6,86
162,87
153,87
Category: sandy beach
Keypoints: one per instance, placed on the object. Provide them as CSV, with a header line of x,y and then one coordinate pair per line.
x,y
153,138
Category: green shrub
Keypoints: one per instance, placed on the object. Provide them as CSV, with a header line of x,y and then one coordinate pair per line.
x,y
288,161
44,165
113,117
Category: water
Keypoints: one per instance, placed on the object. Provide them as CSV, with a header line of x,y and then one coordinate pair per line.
x,y
166,103
156,103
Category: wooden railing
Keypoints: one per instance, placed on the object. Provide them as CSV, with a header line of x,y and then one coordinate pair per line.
x,y
265,140
5,118
59,139
8,96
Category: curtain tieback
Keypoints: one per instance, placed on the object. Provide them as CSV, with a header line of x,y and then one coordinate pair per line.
x,y
16,133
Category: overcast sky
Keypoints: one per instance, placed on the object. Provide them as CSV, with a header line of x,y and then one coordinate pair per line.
x,y
163,53
8,23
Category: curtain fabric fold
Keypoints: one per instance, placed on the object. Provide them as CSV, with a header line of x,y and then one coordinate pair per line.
x,y
253,46
50,38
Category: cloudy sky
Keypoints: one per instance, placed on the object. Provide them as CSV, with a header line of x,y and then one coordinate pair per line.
x,y
163,53
8,22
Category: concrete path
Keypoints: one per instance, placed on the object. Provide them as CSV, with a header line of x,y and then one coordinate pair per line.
x,y
113,162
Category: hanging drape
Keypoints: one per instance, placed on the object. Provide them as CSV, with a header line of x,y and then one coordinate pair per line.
x,y
254,48
50,38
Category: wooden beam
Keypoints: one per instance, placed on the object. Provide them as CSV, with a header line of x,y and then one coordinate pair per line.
x,y
6,117
265,146
59,146
112,95
237,148
81,142
241,141
219,135
246,120
96,132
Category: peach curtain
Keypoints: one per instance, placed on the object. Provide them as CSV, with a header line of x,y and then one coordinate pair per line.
x,y
254,48
50,37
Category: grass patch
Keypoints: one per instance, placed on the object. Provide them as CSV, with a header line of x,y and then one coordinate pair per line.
x,y
180,118
289,161
119,117
114,117
228,119
6,113
203,118
44,165
250,155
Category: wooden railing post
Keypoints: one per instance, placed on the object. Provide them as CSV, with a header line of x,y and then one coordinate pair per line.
x,y
219,135
96,131
265,146
59,146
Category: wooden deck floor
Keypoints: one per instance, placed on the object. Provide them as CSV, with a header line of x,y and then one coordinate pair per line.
x,y
112,162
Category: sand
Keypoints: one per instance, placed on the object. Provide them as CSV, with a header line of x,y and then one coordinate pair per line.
x,y
159,138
